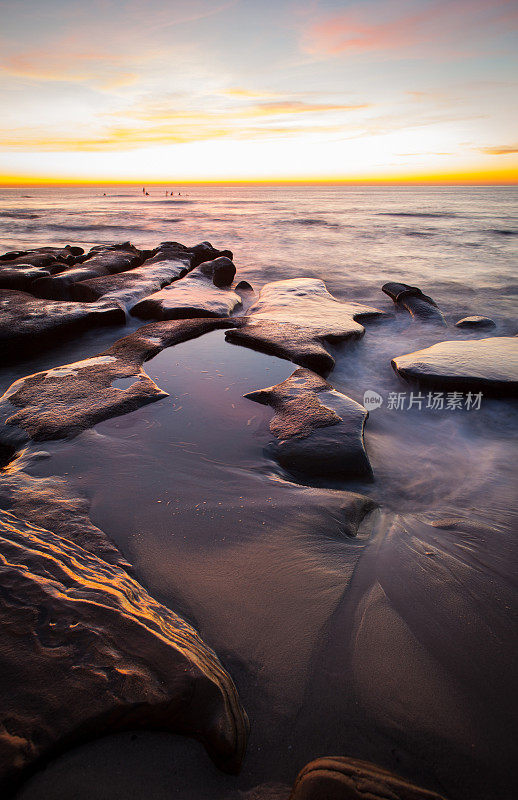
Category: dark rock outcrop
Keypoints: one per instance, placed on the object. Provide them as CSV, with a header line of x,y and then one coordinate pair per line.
x,y
414,301
63,401
203,292
102,260
87,651
295,319
488,365
337,778
475,322
319,430
52,258
21,276
28,324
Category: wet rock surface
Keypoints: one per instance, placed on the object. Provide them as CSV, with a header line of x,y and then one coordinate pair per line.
x,y
297,319
28,324
52,258
203,292
412,299
101,656
338,778
20,277
475,322
319,430
65,400
50,503
102,260
169,262
489,365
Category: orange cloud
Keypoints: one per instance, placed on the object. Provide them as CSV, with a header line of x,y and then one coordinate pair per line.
x,y
503,150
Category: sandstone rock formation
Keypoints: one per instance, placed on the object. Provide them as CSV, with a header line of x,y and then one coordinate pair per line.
x,y
319,430
488,365
50,503
86,651
295,319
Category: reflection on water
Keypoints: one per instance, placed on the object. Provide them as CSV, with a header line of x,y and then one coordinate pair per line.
x,y
259,564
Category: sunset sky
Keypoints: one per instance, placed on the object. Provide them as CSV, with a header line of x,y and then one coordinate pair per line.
x,y
258,89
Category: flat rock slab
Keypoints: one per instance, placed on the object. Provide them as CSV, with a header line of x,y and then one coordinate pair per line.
x,y
489,365
86,651
412,299
319,431
336,778
202,293
28,324
62,402
296,318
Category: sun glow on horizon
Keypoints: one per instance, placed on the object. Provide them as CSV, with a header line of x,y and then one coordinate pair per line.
x,y
154,92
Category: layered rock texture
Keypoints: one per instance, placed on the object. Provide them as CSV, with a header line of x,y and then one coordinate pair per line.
x,y
489,365
297,319
319,431
338,778
86,651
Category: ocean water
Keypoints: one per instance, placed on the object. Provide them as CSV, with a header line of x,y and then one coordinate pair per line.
x,y
259,561
457,243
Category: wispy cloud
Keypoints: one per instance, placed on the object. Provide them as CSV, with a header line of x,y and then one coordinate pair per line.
x,y
396,27
502,150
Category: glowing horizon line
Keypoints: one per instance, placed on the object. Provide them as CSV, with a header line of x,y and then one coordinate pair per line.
x,y
495,177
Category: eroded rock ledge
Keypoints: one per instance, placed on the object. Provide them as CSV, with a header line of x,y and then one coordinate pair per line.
x,y
28,324
296,319
86,651
319,431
